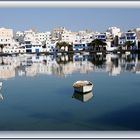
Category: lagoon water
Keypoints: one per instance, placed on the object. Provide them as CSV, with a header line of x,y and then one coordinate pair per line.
x,y
37,92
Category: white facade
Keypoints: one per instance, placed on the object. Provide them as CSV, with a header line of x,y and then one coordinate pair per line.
x,y
79,46
114,31
37,47
83,36
6,36
32,44
50,47
68,36
43,36
14,50
128,36
19,33
29,35
100,36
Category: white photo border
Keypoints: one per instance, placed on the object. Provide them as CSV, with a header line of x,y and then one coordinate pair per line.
x,y
69,134
72,4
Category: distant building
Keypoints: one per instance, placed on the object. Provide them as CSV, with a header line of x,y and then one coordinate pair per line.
x,y
68,36
6,37
114,31
80,46
31,43
56,33
43,36
137,31
128,36
100,36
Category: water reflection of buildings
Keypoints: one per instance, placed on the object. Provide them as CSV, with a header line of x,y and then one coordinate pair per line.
x,y
112,64
63,65
84,97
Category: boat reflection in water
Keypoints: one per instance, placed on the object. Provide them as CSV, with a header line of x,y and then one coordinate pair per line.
x,y
1,97
84,97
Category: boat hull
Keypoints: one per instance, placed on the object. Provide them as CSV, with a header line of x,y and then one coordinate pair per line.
x,y
83,89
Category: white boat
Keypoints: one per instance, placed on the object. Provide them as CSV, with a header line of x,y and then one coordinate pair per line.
x,y
83,86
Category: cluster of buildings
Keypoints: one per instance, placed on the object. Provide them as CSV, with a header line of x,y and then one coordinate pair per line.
x,y
31,41
64,65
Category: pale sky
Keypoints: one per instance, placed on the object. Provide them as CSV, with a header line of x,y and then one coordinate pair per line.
x,y
74,19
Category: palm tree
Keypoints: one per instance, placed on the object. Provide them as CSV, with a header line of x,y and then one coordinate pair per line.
x,y
44,46
95,44
64,44
129,44
1,46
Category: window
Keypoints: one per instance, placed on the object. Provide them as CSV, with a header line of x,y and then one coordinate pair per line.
x,y
28,46
133,37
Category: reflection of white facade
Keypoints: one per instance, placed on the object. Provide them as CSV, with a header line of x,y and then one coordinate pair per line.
x,y
110,66
7,71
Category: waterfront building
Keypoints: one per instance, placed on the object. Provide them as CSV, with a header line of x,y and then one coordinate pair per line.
x,y
80,46
129,36
122,39
6,37
100,36
112,42
50,47
137,31
37,47
31,43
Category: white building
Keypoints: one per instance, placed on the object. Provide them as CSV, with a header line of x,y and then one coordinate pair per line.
x,y
6,37
32,44
68,36
50,47
100,36
128,36
83,36
80,46
114,31
43,36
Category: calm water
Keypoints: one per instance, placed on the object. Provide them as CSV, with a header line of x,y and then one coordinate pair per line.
x,y
37,92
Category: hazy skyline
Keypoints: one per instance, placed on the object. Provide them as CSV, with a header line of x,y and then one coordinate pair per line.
x,y
74,19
